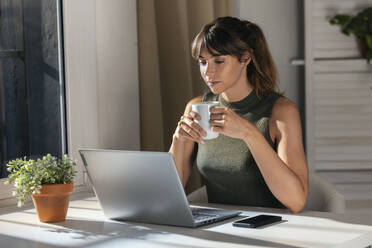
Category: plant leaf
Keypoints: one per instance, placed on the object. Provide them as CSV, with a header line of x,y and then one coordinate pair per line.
x,y
369,55
28,175
369,40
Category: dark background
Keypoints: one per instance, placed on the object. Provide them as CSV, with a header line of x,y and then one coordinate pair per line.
x,y
30,86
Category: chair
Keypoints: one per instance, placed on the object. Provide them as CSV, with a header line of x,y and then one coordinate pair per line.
x,y
323,196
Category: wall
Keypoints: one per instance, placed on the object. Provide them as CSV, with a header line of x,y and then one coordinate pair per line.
x,y
282,24
101,61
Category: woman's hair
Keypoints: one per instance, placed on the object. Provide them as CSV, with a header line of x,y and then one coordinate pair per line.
x,y
232,36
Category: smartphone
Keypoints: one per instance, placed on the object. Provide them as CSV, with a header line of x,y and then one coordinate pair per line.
x,y
257,221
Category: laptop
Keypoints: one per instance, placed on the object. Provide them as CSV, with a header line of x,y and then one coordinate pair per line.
x,y
144,187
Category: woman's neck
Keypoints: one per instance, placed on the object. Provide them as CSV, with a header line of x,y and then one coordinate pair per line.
x,y
237,93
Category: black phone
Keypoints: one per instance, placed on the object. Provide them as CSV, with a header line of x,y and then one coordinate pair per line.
x,y
256,221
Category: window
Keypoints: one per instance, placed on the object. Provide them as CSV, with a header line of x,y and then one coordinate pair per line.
x,y
32,102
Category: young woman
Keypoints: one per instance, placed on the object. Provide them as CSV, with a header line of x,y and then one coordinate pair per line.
x,y
258,158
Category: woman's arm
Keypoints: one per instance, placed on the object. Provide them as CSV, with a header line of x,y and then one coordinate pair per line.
x,y
183,142
285,171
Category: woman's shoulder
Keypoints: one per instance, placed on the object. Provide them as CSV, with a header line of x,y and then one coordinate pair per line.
x,y
284,108
284,118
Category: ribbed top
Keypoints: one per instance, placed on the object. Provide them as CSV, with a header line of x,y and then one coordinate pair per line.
x,y
242,106
226,164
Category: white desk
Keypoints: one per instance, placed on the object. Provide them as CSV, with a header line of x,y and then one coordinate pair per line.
x,y
86,227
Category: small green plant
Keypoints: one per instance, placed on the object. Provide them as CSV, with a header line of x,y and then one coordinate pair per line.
x,y
359,25
28,176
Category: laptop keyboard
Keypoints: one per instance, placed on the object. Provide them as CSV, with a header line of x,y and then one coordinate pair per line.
x,y
200,214
201,217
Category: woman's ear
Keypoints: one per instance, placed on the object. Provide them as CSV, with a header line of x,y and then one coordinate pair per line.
x,y
246,59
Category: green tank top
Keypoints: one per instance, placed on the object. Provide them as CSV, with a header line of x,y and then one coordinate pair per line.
x,y
226,164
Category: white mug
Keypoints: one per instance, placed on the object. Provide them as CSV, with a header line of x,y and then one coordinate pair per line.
x,y
203,109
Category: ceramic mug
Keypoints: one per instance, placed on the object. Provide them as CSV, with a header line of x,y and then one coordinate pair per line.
x,y
203,109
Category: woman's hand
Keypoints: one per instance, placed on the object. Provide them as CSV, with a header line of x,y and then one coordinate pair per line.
x,y
229,123
188,129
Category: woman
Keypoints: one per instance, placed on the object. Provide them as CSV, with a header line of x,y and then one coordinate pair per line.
x,y
258,158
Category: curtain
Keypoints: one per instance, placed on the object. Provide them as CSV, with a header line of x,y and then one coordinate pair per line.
x,y
168,75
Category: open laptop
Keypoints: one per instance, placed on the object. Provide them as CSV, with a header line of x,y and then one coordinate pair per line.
x,y
144,187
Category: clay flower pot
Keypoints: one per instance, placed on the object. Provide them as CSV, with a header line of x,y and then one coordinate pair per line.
x,y
52,202
362,46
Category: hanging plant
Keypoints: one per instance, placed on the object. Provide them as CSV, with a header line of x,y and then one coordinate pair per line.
x,y
360,26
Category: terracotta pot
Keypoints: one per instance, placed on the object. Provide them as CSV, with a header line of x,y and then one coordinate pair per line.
x,y
362,45
52,202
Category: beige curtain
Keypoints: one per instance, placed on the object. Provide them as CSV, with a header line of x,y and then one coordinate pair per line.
x,y
168,75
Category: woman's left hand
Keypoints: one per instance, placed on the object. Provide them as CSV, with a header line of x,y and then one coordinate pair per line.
x,y
229,123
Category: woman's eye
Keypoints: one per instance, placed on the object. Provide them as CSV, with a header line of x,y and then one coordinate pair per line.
x,y
219,61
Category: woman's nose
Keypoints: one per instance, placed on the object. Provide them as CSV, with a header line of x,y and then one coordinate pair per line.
x,y
209,70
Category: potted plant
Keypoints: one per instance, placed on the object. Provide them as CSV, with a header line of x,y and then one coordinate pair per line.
x,y
48,180
359,25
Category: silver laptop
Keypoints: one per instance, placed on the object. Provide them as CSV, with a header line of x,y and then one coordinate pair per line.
x,y
144,187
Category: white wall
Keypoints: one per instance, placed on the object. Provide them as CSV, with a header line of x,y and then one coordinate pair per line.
x,y
282,24
101,64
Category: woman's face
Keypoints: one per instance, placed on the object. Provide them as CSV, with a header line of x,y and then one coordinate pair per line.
x,y
222,73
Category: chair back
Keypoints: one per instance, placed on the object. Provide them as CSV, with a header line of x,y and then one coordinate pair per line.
x,y
323,196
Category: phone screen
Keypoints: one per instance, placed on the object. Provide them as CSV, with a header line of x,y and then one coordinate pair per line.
x,y
257,221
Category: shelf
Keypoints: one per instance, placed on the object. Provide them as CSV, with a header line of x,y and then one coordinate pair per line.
x,y
297,62
342,65
337,65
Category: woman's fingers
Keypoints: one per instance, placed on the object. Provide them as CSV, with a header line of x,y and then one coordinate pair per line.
x,y
190,129
195,115
219,113
195,126
220,116
191,133
218,109
218,123
217,129
185,135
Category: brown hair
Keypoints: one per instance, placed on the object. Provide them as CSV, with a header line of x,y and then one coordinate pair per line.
x,y
232,36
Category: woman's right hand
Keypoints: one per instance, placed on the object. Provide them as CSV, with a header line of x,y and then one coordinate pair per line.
x,y
188,129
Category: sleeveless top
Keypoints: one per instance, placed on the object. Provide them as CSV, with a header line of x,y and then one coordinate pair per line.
x,y
226,164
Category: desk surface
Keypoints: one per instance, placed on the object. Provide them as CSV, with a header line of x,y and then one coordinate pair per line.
x,y
86,227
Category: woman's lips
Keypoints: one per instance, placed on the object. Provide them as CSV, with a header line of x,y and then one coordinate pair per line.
x,y
212,83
